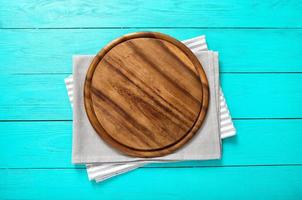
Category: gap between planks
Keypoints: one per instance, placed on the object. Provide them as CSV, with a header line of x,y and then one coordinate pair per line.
x,y
69,120
156,167
152,27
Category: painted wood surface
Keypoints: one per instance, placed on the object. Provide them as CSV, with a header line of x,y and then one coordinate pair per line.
x,y
240,50
259,44
48,145
157,13
43,97
262,182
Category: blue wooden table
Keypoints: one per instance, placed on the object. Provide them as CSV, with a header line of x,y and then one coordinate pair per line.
x,y
260,46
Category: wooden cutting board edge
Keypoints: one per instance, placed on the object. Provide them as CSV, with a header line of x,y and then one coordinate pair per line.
x,y
128,150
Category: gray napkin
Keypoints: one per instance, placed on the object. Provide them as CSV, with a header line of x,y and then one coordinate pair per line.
x,y
88,147
101,172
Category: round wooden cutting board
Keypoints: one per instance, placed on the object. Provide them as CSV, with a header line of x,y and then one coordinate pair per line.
x,y
146,94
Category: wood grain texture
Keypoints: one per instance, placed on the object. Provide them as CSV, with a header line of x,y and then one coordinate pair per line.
x,y
48,145
157,13
264,50
146,94
262,182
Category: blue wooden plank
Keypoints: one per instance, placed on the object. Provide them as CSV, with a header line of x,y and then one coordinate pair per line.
x,y
44,96
284,182
244,50
157,13
48,145
34,97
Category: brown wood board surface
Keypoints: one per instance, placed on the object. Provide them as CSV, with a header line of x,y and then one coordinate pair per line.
x,y
146,94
